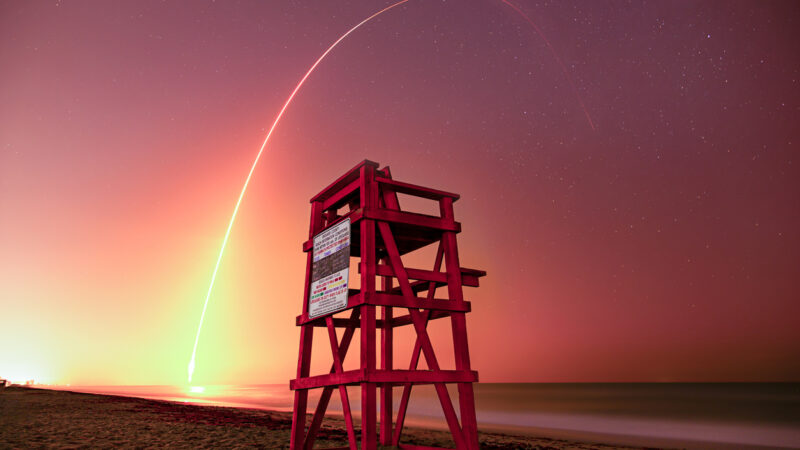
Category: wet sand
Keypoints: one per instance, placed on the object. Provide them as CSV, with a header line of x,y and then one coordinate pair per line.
x,y
46,418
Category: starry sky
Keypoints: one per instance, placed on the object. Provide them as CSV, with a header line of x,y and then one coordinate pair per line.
x,y
658,243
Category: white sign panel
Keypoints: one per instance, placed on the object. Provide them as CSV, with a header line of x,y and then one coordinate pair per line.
x,y
330,270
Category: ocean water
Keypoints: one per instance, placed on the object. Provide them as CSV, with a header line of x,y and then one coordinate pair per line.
x,y
691,415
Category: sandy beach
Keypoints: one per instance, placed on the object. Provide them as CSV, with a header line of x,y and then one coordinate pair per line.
x,y
44,418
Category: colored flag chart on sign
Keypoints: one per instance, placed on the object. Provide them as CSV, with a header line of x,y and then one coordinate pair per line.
x,y
330,271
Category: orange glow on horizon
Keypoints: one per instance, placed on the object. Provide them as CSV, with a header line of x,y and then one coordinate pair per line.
x,y
192,361
661,246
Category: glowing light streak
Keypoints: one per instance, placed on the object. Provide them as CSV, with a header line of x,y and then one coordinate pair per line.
x,y
558,59
191,366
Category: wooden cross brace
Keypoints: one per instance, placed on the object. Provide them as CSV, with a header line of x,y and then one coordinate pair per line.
x,y
420,319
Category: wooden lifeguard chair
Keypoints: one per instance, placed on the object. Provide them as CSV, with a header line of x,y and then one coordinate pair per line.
x,y
359,216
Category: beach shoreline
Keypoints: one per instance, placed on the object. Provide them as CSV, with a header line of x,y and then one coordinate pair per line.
x,y
44,417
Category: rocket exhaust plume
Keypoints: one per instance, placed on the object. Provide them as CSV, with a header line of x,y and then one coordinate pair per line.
x,y
555,55
191,366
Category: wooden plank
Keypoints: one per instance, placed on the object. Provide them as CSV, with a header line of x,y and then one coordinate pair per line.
x,y
415,274
459,329
405,320
473,272
301,398
422,333
334,341
340,322
412,189
331,379
422,376
315,225
399,271
469,277
402,301
437,266
401,413
392,203
297,438
389,200
441,390
387,363
428,315
344,180
319,414
337,364
340,197
394,377
369,200
414,219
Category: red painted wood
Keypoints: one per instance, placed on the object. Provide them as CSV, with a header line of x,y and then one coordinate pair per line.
x,y
387,363
344,180
348,417
404,320
306,337
369,200
338,322
388,199
414,219
401,414
404,301
459,327
412,189
437,266
337,364
469,277
422,334
337,200
395,377
381,233
301,397
332,379
423,376
316,224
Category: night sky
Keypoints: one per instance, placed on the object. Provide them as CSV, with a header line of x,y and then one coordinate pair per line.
x,y
662,245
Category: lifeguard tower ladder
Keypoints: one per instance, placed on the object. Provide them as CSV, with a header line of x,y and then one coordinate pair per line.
x,y
380,232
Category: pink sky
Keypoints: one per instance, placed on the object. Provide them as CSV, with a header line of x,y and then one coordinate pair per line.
x,y
662,246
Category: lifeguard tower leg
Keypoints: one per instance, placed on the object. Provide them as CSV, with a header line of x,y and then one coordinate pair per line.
x,y
368,270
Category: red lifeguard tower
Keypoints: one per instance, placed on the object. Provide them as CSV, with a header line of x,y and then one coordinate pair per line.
x,y
359,215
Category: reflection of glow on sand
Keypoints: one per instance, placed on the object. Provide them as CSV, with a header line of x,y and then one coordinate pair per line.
x,y
197,389
504,416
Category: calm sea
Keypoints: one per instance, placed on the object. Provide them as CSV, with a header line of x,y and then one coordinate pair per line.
x,y
693,415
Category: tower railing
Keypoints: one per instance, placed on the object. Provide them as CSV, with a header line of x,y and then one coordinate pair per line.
x,y
380,234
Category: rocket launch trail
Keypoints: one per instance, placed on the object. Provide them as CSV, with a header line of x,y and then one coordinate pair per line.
x,y
557,58
253,168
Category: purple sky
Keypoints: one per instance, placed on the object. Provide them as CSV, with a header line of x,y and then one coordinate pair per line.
x,y
661,246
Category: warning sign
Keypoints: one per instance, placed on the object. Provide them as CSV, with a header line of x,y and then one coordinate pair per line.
x,y
330,270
